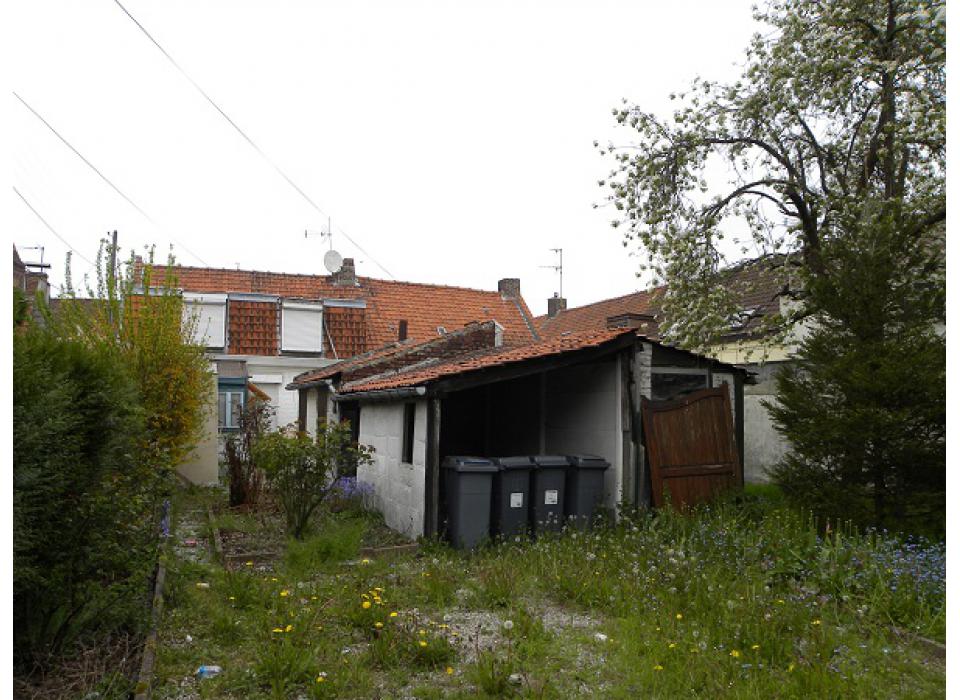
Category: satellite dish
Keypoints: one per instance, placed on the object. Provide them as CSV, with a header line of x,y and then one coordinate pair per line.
x,y
333,261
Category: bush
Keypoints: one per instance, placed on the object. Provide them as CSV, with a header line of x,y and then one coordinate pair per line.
x,y
303,471
246,480
85,509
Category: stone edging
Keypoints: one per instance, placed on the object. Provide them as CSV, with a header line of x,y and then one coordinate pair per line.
x,y
935,648
395,550
145,678
215,534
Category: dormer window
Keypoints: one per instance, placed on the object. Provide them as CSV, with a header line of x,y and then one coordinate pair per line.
x,y
739,320
301,327
209,314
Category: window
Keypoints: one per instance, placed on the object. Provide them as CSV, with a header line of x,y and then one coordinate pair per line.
x,y
409,414
673,383
301,327
231,398
209,312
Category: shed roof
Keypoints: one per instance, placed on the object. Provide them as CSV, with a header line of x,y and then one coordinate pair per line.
x,y
486,358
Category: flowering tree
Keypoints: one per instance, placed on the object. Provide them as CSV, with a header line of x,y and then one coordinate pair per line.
x,y
837,123
833,141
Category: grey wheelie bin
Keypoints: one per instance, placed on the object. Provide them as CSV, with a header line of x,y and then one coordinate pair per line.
x,y
511,496
468,486
547,486
584,488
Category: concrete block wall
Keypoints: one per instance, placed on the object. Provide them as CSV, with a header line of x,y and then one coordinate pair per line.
x,y
398,487
763,446
583,417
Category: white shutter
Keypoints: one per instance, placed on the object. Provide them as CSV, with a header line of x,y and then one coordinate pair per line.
x,y
302,327
211,314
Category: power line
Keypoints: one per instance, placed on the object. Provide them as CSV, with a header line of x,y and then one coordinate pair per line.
x,y
245,137
53,230
102,176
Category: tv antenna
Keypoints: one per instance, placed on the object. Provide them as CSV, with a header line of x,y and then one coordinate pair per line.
x,y
40,264
332,260
558,267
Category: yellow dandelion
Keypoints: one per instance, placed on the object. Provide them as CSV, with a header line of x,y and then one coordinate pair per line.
x,y
288,628
366,605
232,598
679,616
378,625
815,622
278,630
364,561
790,668
284,593
393,614
321,677
755,647
423,643
249,563
449,670
421,632
780,601
313,597
671,645
735,653
274,578
658,667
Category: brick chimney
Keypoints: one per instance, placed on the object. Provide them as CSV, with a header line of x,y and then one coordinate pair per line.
x,y
509,288
555,305
346,276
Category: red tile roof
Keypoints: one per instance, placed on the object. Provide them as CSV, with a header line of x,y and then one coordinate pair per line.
x,y
756,284
594,316
484,359
424,307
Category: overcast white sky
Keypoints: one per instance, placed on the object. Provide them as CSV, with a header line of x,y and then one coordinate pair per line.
x,y
453,141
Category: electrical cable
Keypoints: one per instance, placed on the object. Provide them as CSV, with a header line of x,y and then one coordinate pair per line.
x,y
53,230
102,176
246,138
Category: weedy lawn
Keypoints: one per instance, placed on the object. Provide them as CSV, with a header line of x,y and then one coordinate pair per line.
x,y
740,600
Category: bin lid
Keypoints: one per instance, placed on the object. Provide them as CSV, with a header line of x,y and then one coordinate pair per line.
x,y
550,460
513,462
588,462
468,464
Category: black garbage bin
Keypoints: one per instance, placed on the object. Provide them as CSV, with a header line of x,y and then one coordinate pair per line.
x,y
468,486
511,496
547,487
584,488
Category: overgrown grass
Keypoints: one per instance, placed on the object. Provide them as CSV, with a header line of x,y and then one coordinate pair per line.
x,y
739,600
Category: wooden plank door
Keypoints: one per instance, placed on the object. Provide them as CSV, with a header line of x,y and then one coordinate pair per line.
x,y
691,447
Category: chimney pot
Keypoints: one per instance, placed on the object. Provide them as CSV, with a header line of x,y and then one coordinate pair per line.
x,y
509,287
555,305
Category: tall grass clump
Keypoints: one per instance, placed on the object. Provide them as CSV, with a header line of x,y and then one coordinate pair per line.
x,y
731,594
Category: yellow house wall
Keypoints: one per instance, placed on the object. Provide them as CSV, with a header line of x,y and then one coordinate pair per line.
x,y
202,465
